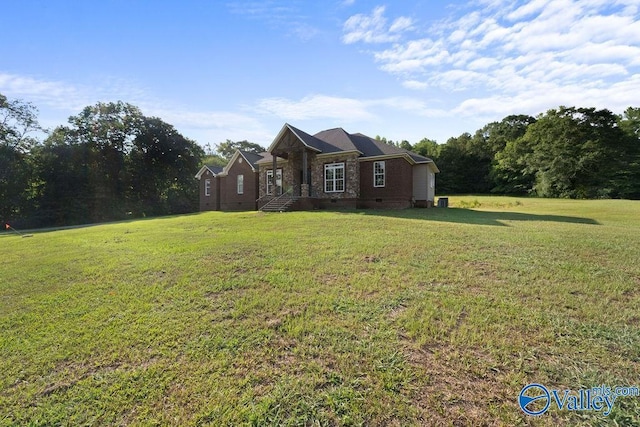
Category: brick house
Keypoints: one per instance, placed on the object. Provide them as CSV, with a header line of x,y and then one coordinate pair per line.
x,y
232,188
332,168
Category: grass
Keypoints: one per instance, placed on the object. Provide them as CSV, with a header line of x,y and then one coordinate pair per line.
x,y
414,317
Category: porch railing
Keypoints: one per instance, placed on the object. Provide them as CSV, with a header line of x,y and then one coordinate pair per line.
x,y
278,202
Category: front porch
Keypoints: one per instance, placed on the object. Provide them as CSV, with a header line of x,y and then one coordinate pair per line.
x,y
309,168
286,172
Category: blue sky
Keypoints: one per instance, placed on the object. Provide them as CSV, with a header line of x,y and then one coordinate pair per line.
x,y
238,70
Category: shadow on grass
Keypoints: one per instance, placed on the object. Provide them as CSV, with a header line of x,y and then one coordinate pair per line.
x,y
470,216
31,231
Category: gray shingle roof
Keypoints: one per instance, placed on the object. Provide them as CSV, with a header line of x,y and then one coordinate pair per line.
x,y
252,157
372,147
214,169
338,140
313,141
368,146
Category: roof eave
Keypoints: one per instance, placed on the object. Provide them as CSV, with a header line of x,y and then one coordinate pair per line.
x,y
281,133
270,161
247,160
202,170
340,153
405,156
225,170
304,143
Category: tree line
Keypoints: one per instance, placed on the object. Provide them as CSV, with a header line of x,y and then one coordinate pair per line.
x,y
567,152
111,162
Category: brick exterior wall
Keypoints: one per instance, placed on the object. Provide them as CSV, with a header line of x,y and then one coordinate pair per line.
x,y
210,202
230,200
397,191
359,189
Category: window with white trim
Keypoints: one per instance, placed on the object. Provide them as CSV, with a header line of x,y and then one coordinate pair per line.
x,y
270,181
207,187
240,184
378,174
334,178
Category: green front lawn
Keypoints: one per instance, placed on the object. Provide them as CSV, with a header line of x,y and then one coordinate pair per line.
x,y
425,316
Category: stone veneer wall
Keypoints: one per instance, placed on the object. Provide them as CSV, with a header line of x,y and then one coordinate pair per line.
x,y
351,175
287,174
262,180
291,175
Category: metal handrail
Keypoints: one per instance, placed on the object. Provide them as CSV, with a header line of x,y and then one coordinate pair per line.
x,y
276,199
264,197
289,191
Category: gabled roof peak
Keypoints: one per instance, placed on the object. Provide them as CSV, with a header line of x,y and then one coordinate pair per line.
x,y
336,140
336,128
213,170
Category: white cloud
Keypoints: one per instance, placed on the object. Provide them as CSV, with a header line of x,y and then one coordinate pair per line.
x,y
315,106
202,119
401,24
399,103
413,57
527,10
279,15
70,97
415,84
304,32
482,64
373,28
459,80
58,100
411,105
507,57
344,109
51,93
214,126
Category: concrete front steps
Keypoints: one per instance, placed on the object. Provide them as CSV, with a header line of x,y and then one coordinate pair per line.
x,y
281,203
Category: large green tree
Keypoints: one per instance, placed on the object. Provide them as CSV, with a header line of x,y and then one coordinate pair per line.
x,y
509,174
109,130
161,166
427,147
472,164
576,152
628,179
18,121
63,172
227,148
112,162
498,134
464,164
